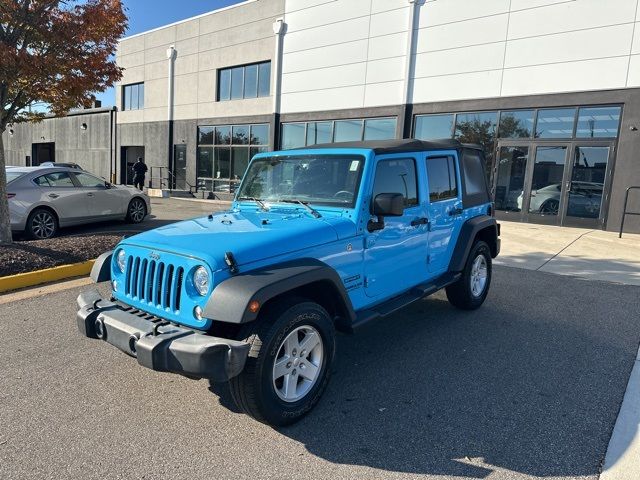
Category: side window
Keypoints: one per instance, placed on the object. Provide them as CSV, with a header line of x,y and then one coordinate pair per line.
x,y
87,180
442,178
58,179
397,175
474,178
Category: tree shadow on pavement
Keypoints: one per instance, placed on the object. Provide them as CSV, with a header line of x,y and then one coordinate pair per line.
x,y
531,383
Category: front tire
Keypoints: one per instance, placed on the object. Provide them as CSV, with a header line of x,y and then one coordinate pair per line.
x,y
470,291
136,211
289,363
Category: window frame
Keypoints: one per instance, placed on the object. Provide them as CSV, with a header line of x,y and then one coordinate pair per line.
x,y
456,170
128,89
228,70
379,160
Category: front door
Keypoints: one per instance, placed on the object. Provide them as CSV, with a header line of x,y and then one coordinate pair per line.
x,y
547,179
396,256
510,174
180,167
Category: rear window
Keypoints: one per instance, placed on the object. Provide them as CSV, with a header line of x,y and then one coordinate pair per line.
x,y
474,179
11,176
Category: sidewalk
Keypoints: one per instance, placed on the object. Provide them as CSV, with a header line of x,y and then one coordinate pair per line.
x,y
589,254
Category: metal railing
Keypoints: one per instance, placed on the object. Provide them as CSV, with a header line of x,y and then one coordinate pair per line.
x,y
167,180
624,210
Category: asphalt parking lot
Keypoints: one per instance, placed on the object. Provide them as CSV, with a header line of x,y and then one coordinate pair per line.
x,y
529,386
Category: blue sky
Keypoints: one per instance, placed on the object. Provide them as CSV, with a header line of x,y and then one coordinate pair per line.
x,y
148,14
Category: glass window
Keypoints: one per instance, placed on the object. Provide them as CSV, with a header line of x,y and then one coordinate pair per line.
x,y
318,132
141,95
251,81
317,179
223,136
240,160
237,83
380,129
546,186
11,176
555,123
512,166
347,131
224,84
478,128
474,177
431,127
205,135
587,181
292,135
516,124
58,179
240,135
133,96
441,172
126,98
264,79
87,180
397,176
222,162
598,122
259,134
205,162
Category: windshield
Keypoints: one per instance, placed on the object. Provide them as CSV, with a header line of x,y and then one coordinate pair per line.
x,y
331,180
11,176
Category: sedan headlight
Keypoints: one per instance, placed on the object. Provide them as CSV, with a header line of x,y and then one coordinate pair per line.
x,y
201,280
121,259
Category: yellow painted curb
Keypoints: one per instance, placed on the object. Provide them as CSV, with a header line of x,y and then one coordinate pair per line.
x,y
30,279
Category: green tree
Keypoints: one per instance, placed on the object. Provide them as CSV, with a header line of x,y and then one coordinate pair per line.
x,y
57,52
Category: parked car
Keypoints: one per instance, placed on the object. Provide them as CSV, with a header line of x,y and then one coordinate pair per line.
x,y
57,164
584,199
42,200
317,240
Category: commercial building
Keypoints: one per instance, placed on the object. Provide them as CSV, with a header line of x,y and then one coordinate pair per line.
x,y
550,88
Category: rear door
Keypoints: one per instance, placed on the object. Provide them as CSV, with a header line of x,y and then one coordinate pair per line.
x,y
100,201
58,190
445,207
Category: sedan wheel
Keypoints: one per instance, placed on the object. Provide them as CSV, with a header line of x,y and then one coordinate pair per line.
x,y
137,211
42,224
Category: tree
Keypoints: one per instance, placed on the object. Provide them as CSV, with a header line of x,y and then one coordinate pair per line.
x,y
57,52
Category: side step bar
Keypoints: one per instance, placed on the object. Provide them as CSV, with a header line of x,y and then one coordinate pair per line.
x,y
396,303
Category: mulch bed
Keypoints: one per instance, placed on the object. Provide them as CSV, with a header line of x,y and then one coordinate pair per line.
x,y
31,255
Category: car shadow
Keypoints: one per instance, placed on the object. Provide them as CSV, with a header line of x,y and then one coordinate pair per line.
x,y
530,383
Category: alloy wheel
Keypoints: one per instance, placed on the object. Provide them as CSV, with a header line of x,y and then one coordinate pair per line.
x,y
478,276
43,225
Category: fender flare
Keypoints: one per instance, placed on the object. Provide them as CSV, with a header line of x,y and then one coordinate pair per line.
x,y
230,300
101,270
468,232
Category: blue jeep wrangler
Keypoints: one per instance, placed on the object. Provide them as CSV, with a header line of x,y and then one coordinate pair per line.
x,y
317,240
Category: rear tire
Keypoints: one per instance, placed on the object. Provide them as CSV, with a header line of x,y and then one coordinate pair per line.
x,y
470,291
283,378
136,211
42,224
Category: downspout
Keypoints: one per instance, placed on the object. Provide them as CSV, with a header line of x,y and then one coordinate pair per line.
x,y
279,29
171,56
410,68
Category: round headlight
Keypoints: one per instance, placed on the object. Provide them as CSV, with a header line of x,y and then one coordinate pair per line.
x,y
201,280
122,257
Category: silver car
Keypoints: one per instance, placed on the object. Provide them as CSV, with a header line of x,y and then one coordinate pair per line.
x,y
41,200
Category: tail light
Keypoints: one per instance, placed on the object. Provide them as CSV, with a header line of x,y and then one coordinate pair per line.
x,y
11,195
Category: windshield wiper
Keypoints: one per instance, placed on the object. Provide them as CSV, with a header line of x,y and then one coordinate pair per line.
x,y
261,204
306,205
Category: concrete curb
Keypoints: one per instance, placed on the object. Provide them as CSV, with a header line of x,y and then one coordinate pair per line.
x,y
31,279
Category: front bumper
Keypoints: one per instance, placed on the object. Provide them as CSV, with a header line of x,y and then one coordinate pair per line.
x,y
157,344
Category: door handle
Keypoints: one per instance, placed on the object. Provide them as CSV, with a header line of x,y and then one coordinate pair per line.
x,y
419,221
455,211
53,195
89,194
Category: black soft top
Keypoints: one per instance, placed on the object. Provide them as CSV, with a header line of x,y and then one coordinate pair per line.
x,y
396,146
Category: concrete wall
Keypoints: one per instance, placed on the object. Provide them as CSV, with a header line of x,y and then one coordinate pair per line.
x,y
228,37
88,148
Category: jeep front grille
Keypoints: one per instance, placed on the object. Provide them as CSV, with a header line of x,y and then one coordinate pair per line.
x,y
155,283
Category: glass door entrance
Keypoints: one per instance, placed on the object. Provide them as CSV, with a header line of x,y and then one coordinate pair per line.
x,y
552,183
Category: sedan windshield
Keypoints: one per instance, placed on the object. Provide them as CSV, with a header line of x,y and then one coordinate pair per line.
x,y
331,180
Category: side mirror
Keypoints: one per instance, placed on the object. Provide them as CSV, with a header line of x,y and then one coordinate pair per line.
x,y
107,185
388,205
385,205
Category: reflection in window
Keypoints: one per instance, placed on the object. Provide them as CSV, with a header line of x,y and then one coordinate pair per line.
x,y
348,131
133,96
319,132
292,135
587,181
432,127
598,122
397,176
555,123
224,153
546,184
441,173
478,128
295,135
511,169
380,129
245,81
516,124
